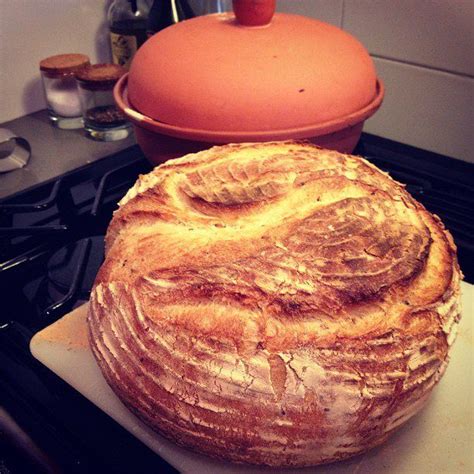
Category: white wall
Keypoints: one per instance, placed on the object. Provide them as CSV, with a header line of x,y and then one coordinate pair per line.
x,y
423,51
31,30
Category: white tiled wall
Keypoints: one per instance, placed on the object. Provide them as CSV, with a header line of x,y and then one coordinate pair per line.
x,y
433,33
423,51
427,108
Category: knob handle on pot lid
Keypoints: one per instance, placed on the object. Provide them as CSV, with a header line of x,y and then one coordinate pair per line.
x,y
254,12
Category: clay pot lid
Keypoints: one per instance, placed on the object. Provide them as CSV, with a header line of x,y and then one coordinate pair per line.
x,y
64,64
222,73
100,76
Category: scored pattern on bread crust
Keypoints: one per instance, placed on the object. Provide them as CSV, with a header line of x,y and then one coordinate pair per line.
x,y
274,303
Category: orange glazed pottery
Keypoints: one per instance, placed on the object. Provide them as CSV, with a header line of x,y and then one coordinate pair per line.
x,y
253,76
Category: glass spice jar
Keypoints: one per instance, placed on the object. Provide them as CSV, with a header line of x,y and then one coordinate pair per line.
x,y
60,88
102,119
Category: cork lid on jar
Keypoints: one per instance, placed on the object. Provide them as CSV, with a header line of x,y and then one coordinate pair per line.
x,y
64,64
100,76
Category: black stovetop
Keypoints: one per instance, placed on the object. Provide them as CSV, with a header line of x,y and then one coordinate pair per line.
x,y
51,245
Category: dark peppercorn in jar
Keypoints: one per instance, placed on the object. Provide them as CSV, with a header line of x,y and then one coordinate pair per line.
x,y
102,119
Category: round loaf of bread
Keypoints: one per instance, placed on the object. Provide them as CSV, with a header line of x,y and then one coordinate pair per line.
x,y
274,303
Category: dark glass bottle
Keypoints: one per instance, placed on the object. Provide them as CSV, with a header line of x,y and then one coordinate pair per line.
x,y
127,25
165,13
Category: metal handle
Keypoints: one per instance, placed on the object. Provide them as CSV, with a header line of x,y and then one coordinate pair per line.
x,y
20,154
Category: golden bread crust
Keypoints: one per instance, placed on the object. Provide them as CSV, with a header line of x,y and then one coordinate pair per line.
x,y
274,303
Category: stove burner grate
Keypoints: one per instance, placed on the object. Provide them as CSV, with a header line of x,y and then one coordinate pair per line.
x,y
71,273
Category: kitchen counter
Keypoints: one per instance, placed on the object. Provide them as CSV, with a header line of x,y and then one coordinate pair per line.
x,y
53,152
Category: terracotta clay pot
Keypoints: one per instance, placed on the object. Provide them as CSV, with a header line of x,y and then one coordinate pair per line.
x,y
253,77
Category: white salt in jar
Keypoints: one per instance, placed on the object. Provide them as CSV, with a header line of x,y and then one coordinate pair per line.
x,y
60,88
